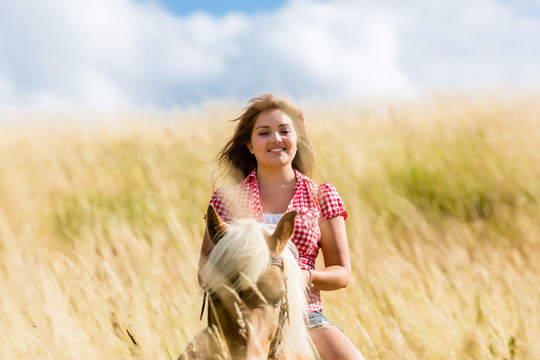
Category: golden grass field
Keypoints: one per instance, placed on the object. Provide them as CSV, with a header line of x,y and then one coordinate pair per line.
x,y
101,223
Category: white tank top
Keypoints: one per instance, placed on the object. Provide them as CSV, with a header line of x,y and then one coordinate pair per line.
x,y
272,218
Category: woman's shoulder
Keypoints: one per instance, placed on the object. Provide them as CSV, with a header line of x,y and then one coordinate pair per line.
x,y
232,201
308,182
322,189
326,189
226,192
245,183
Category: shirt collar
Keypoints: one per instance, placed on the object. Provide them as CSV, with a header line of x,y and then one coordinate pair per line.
x,y
252,177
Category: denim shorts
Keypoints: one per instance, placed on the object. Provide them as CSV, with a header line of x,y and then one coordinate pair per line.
x,y
316,319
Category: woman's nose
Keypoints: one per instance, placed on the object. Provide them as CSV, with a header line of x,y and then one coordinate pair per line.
x,y
275,137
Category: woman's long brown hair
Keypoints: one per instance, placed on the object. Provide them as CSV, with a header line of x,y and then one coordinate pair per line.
x,y
236,159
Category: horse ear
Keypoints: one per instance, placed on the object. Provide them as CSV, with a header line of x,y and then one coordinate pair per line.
x,y
214,224
283,233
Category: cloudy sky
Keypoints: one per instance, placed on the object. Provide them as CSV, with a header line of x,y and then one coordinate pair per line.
x,y
160,54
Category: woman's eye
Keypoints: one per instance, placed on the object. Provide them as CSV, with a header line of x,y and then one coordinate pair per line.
x,y
263,133
285,132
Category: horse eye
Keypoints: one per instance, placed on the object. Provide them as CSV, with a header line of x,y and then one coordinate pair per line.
x,y
278,300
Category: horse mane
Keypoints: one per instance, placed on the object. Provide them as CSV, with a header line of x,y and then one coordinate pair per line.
x,y
242,254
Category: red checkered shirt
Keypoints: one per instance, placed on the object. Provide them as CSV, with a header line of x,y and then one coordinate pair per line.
x,y
313,203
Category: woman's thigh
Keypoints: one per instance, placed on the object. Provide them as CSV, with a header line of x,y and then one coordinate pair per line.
x,y
330,341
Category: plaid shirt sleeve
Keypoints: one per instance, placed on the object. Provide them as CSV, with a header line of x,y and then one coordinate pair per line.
x,y
331,203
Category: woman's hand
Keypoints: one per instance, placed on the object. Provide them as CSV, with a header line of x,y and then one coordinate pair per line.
x,y
308,274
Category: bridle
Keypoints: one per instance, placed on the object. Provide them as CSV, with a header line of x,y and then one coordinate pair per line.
x,y
277,341
275,345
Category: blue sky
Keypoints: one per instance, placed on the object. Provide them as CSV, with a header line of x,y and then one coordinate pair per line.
x,y
218,7
109,54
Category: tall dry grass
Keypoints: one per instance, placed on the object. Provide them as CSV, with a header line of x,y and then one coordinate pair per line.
x,y
100,227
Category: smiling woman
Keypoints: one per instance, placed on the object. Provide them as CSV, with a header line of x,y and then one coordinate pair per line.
x,y
270,149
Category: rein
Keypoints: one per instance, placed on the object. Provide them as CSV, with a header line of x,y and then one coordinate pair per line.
x,y
275,345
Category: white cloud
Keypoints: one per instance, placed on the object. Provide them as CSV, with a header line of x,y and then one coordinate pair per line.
x,y
334,50
108,53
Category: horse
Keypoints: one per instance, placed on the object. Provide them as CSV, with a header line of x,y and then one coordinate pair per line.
x,y
255,292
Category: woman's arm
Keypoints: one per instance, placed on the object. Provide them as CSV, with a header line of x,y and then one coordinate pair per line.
x,y
337,262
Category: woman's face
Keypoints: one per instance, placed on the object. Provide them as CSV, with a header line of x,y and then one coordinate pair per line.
x,y
273,139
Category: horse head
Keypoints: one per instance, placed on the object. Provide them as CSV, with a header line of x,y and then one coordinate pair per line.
x,y
251,279
251,310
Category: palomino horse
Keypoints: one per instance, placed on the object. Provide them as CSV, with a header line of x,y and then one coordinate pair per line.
x,y
256,293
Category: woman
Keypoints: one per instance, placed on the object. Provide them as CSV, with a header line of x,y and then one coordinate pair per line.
x,y
271,152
